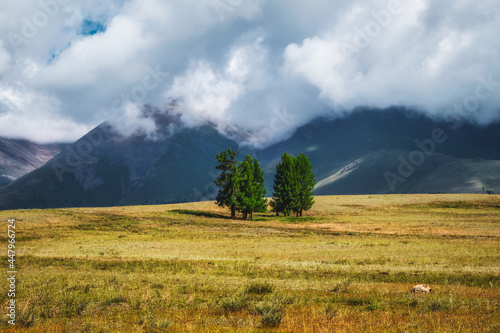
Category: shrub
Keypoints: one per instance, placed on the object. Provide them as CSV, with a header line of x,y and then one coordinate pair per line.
x,y
271,315
331,311
438,305
235,303
114,300
153,324
26,317
259,288
355,301
341,286
374,305
157,286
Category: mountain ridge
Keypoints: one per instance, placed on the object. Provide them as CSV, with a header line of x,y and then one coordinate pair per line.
x,y
18,157
351,155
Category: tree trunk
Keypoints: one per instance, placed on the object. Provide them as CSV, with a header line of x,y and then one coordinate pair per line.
x,y
233,212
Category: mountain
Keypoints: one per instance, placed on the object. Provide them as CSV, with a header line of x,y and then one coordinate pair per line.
x,y
368,152
104,168
19,157
396,151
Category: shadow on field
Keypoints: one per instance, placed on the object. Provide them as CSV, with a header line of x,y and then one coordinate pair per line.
x,y
199,213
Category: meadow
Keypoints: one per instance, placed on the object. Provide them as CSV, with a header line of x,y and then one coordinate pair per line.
x,y
348,265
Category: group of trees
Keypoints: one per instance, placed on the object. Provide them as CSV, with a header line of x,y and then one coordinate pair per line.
x,y
293,185
241,185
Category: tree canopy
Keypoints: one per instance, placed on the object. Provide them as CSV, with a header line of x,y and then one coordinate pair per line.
x,y
305,185
251,192
241,184
284,186
293,185
228,181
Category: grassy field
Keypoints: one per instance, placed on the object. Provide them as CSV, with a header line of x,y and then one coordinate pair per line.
x,y
347,266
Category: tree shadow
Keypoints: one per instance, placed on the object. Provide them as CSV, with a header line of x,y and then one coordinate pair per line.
x,y
200,213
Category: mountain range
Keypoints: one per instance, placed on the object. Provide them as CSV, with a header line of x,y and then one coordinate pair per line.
x,y
370,151
19,157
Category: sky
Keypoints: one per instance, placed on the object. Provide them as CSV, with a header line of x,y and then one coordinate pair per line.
x,y
263,67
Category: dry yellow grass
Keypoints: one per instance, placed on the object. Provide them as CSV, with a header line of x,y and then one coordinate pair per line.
x,y
347,266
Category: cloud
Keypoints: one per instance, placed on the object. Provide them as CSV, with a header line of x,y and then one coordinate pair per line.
x,y
87,73
260,68
23,111
208,94
130,121
400,56
92,57
4,59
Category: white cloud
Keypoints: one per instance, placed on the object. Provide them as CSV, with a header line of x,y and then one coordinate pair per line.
x,y
207,94
27,112
129,121
393,59
240,63
92,57
204,94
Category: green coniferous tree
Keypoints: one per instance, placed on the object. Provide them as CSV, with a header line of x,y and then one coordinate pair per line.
x,y
244,196
260,188
285,186
251,192
305,183
293,185
228,181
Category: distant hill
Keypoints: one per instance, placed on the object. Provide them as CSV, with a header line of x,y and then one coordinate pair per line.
x,y
19,157
369,152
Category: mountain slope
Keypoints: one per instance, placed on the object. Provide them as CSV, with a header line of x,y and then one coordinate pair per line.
x,y
19,157
357,154
105,169
369,152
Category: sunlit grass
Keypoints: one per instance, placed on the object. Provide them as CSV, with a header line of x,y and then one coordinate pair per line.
x,y
348,265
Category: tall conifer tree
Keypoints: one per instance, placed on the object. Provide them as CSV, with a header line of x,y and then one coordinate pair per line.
x,y
284,186
260,190
305,185
228,181
241,184
293,185
250,197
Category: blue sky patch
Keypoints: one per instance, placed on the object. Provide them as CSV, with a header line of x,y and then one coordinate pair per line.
x,y
90,27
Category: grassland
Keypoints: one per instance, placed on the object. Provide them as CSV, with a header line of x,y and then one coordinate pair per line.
x,y
347,266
